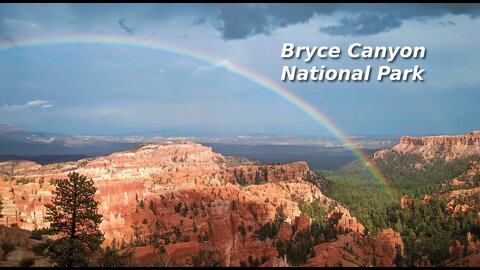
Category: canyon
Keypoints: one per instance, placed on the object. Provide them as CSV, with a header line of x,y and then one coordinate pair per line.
x,y
180,200
178,203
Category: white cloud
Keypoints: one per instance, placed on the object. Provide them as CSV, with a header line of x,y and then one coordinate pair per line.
x,y
15,24
29,105
161,71
225,63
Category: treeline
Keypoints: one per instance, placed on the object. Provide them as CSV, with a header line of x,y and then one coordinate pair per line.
x,y
410,174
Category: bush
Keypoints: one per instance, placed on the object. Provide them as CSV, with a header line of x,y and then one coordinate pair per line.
x,y
39,249
37,235
110,258
7,247
24,181
27,262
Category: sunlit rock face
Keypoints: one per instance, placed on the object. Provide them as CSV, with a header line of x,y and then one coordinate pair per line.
x,y
182,191
448,147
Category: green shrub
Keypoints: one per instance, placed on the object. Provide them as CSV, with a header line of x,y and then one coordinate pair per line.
x,y
37,235
7,247
27,262
39,248
24,181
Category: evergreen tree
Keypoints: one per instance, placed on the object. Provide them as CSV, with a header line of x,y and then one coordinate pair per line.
x,y
1,207
74,222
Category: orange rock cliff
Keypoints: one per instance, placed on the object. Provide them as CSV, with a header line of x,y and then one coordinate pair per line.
x,y
451,147
180,195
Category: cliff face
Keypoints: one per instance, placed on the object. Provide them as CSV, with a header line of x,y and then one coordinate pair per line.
x,y
187,199
449,147
268,173
191,199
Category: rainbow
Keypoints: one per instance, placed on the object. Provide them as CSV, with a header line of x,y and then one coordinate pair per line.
x,y
241,71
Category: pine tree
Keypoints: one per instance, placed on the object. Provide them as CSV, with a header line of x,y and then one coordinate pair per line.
x,y
74,222
1,207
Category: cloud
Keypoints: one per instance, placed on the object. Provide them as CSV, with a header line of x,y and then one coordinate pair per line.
x,y
161,71
43,104
365,24
129,30
10,28
447,23
240,21
199,21
12,23
225,63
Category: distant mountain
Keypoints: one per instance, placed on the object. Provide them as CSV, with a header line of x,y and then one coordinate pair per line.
x,y
17,141
271,148
44,159
7,128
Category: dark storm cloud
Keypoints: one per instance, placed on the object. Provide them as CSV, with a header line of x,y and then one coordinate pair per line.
x,y
240,21
235,21
365,24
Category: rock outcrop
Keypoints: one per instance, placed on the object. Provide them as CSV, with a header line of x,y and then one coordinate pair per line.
x,y
20,250
355,249
448,147
179,195
344,221
269,173
303,223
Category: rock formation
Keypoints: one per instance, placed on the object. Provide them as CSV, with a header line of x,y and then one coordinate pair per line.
x,y
355,249
21,249
344,221
179,203
448,147
177,194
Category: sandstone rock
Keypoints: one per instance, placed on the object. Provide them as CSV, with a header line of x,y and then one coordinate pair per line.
x,y
285,231
456,250
23,247
355,249
405,201
450,147
456,182
344,221
192,201
276,262
302,222
469,260
268,173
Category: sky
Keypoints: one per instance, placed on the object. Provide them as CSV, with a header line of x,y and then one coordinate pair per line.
x,y
101,89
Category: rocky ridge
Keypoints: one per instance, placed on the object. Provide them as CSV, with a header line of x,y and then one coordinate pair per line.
x,y
449,147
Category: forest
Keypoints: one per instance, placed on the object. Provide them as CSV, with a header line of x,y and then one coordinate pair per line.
x,y
428,227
